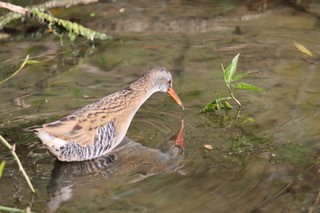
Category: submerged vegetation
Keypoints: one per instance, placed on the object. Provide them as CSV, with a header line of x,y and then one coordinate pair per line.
x,y
73,29
56,25
243,141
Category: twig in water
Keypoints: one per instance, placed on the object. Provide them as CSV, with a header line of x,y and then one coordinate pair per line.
x,y
9,209
316,202
74,29
18,12
13,7
15,156
18,70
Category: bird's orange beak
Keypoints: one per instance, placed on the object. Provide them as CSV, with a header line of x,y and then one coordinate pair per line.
x,y
174,95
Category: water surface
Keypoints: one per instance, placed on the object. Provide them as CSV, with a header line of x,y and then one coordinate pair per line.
x,y
268,165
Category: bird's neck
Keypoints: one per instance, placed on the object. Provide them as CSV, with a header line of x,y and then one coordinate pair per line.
x,y
131,99
138,92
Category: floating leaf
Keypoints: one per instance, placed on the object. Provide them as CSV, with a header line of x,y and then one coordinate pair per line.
x,y
227,105
230,71
302,48
2,167
217,105
248,119
207,146
239,76
210,107
251,87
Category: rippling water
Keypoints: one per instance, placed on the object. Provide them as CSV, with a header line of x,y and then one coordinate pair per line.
x,y
270,164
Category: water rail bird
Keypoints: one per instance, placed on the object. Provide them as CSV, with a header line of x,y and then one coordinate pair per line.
x,y
98,128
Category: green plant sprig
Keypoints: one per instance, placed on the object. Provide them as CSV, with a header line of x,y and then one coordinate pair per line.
x,y
230,77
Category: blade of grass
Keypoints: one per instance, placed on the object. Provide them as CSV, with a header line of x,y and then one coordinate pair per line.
x,y
16,158
2,167
9,209
18,70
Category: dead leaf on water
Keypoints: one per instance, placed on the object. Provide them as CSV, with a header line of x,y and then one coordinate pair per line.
x,y
232,48
302,48
207,146
20,101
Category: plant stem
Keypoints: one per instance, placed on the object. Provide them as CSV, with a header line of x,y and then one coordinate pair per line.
x,y
9,209
18,13
233,97
13,7
15,156
20,68
311,209
236,100
38,13
238,115
224,99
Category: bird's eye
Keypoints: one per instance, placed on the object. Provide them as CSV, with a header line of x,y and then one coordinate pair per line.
x,y
169,82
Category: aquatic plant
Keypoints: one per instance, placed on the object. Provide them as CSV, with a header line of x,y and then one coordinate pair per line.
x,y
25,61
16,158
74,29
230,79
56,25
2,164
10,209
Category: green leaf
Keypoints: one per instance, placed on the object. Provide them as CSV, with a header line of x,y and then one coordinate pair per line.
x,y
32,62
210,107
217,93
239,76
251,87
2,167
247,119
218,105
227,105
230,71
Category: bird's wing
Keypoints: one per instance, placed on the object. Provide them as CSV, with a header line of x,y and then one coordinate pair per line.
x,y
80,127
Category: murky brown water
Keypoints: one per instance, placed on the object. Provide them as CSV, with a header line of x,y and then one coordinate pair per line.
x,y
269,165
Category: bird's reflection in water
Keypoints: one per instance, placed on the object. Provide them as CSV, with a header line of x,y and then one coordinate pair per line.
x,y
129,163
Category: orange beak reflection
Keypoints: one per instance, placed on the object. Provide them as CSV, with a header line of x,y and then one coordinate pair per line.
x,y
174,95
